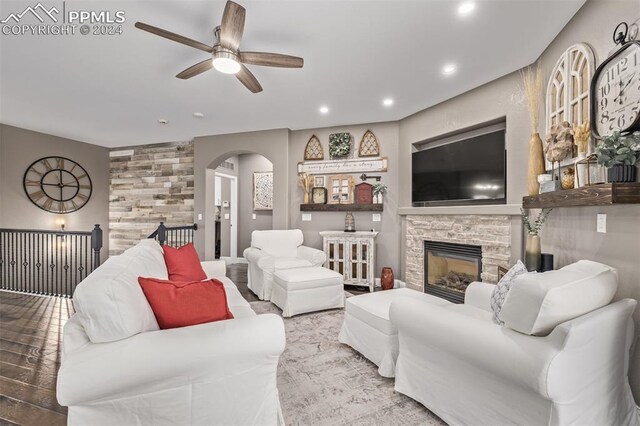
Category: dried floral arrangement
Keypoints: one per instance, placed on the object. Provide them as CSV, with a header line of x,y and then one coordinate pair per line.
x,y
306,183
582,135
533,228
532,82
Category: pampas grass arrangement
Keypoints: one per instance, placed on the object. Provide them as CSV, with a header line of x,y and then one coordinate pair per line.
x,y
532,81
306,183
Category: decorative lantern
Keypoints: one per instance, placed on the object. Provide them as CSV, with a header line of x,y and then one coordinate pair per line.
x,y
349,223
589,172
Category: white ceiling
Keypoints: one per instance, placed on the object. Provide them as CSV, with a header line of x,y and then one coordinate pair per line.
x,y
111,90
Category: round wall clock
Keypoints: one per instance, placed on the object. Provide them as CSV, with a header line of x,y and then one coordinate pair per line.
x,y
57,185
615,90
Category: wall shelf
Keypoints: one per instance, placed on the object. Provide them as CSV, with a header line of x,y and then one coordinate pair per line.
x,y
341,207
595,195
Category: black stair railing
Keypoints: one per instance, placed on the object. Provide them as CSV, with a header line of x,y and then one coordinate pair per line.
x,y
47,262
175,236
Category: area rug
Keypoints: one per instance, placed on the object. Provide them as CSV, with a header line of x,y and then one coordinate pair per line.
x,y
323,382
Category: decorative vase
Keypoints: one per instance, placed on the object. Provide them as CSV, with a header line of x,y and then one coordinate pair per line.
x,y
568,178
621,173
532,257
386,278
536,164
306,197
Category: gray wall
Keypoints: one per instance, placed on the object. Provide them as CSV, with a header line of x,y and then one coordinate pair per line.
x,y
388,240
18,149
570,233
210,151
247,164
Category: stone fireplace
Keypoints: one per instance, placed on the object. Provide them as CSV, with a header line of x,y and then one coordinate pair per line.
x,y
449,268
485,241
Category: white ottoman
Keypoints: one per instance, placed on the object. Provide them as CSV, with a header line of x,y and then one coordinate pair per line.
x,y
301,290
367,329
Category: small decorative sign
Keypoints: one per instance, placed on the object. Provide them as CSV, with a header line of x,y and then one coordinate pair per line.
x,y
344,166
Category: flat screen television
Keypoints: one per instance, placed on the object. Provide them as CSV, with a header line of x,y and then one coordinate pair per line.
x,y
468,171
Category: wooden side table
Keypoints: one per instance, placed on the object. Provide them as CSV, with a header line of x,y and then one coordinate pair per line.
x,y
353,255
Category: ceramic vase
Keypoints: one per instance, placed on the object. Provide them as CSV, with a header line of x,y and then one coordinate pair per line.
x,y
536,164
386,278
532,257
306,197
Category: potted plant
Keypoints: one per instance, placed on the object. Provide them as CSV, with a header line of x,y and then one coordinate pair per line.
x,y
532,257
619,154
378,191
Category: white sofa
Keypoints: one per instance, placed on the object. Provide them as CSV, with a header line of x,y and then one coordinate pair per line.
x,y
273,251
119,368
471,371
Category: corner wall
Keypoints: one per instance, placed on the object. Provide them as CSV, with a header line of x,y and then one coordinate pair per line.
x,y
21,147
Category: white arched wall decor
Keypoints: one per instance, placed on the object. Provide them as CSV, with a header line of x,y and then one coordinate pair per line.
x,y
567,96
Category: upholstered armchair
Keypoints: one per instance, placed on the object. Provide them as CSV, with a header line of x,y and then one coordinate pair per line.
x,y
271,251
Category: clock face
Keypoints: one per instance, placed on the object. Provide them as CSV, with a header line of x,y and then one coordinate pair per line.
x,y
57,185
616,92
319,195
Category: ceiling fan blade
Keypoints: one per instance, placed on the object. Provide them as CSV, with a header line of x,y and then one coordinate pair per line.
x,y
196,69
232,25
248,79
173,36
271,59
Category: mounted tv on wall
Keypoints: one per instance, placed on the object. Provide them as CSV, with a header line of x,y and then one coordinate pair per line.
x,y
469,168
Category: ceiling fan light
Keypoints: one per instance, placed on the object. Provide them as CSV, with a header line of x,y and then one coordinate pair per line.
x,y
226,65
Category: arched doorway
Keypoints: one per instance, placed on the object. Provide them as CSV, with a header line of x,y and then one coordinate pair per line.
x,y
242,195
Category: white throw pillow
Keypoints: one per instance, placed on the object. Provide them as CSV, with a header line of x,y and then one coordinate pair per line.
x,y
110,303
537,303
502,289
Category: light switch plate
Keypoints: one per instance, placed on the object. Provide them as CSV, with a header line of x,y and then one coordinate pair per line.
x,y
253,216
306,217
602,223
199,216
227,216
376,217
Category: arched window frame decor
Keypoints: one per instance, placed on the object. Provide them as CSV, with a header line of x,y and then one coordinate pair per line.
x,y
567,96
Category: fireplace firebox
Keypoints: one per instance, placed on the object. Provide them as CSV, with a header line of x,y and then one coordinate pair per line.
x,y
449,268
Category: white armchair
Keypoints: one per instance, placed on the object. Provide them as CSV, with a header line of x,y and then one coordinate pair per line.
x,y
271,251
468,370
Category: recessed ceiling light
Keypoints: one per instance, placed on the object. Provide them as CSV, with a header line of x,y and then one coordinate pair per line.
x,y
163,121
387,102
448,69
198,115
324,110
466,7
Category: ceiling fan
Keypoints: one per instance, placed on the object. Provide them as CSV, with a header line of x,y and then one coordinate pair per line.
x,y
226,56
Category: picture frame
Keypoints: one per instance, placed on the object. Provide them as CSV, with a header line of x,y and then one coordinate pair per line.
x,y
263,191
319,181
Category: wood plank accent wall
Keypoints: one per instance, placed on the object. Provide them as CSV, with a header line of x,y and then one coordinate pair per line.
x,y
148,184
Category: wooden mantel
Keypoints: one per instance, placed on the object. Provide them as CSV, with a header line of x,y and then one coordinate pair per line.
x,y
595,195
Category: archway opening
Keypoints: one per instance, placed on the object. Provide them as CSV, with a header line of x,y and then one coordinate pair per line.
x,y
240,185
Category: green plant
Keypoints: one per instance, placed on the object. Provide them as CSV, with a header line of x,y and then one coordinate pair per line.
x,y
536,226
379,188
339,144
617,149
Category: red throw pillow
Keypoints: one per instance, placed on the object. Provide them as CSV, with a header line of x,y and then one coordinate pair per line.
x,y
183,264
181,304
